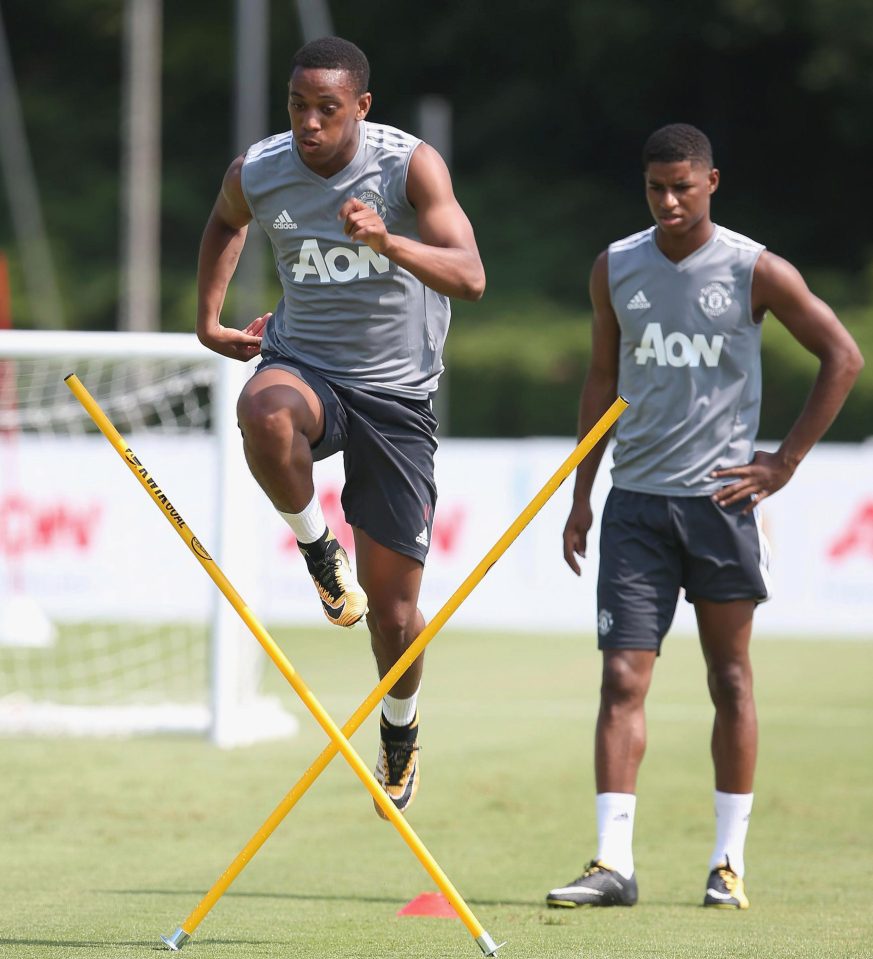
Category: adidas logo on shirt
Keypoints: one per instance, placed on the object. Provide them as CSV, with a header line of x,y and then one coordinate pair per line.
x,y
422,537
638,301
284,222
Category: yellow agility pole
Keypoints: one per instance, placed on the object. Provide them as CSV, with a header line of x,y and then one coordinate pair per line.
x,y
600,429
475,928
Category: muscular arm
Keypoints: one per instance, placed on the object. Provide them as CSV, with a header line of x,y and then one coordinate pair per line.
x,y
447,258
598,392
777,286
220,249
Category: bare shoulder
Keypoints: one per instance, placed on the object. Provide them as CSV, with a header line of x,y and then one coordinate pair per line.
x,y
775,268
599,278
426,159
779,287
601,264
231,203
774,278
428,176
232,181
604,323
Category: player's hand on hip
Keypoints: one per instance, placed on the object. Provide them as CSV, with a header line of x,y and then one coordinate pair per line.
x,y
576,533
363,224
761,478
237,344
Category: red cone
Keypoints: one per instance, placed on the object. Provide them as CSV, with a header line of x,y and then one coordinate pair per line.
x,y
429,904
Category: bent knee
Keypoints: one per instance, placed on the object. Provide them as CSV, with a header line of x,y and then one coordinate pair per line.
x,y
261,417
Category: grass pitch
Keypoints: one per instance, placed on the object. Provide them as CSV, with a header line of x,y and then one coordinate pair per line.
x,y
105,845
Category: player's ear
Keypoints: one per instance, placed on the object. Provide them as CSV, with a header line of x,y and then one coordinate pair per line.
x,y
364,102
714,180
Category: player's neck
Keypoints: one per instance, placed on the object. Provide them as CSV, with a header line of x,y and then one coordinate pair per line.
x,y
676,247
331,167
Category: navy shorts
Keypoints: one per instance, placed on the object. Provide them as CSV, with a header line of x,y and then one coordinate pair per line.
x,y
388,446
652,546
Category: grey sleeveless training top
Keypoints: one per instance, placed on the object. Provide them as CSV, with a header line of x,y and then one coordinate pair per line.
x,y
346,311
689,362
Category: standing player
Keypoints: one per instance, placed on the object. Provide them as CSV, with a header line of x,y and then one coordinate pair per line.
x,y
369,243
677,330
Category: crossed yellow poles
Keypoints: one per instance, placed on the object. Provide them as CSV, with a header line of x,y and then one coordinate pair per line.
x,y
339,737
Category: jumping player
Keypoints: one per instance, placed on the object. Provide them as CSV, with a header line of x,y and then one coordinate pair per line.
x,y
677,321
369,243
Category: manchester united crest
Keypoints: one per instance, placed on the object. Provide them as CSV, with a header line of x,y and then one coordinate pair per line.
x,y
714,299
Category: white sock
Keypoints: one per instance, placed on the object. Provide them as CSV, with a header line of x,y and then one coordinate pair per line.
x,y
309,524
732,812
615,831
400,712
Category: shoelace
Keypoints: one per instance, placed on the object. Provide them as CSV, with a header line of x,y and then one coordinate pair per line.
x,y
397,756
729,878
325,571
591,869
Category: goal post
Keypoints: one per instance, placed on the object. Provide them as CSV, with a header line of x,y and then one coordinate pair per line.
x,y
107,627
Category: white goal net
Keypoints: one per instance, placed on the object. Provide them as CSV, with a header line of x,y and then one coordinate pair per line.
x,y
104,627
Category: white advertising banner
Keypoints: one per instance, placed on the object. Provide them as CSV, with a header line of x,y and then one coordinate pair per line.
x,y
79,535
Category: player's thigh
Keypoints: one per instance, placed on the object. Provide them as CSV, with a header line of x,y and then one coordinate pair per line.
x,y
276,392
640,572
725,631
314,407
727,552
390,492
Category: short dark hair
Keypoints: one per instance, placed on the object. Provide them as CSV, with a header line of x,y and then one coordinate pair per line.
x,y
677,142
334,53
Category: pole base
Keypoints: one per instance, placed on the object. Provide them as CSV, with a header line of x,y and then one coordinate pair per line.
x,y
175,942
487,945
